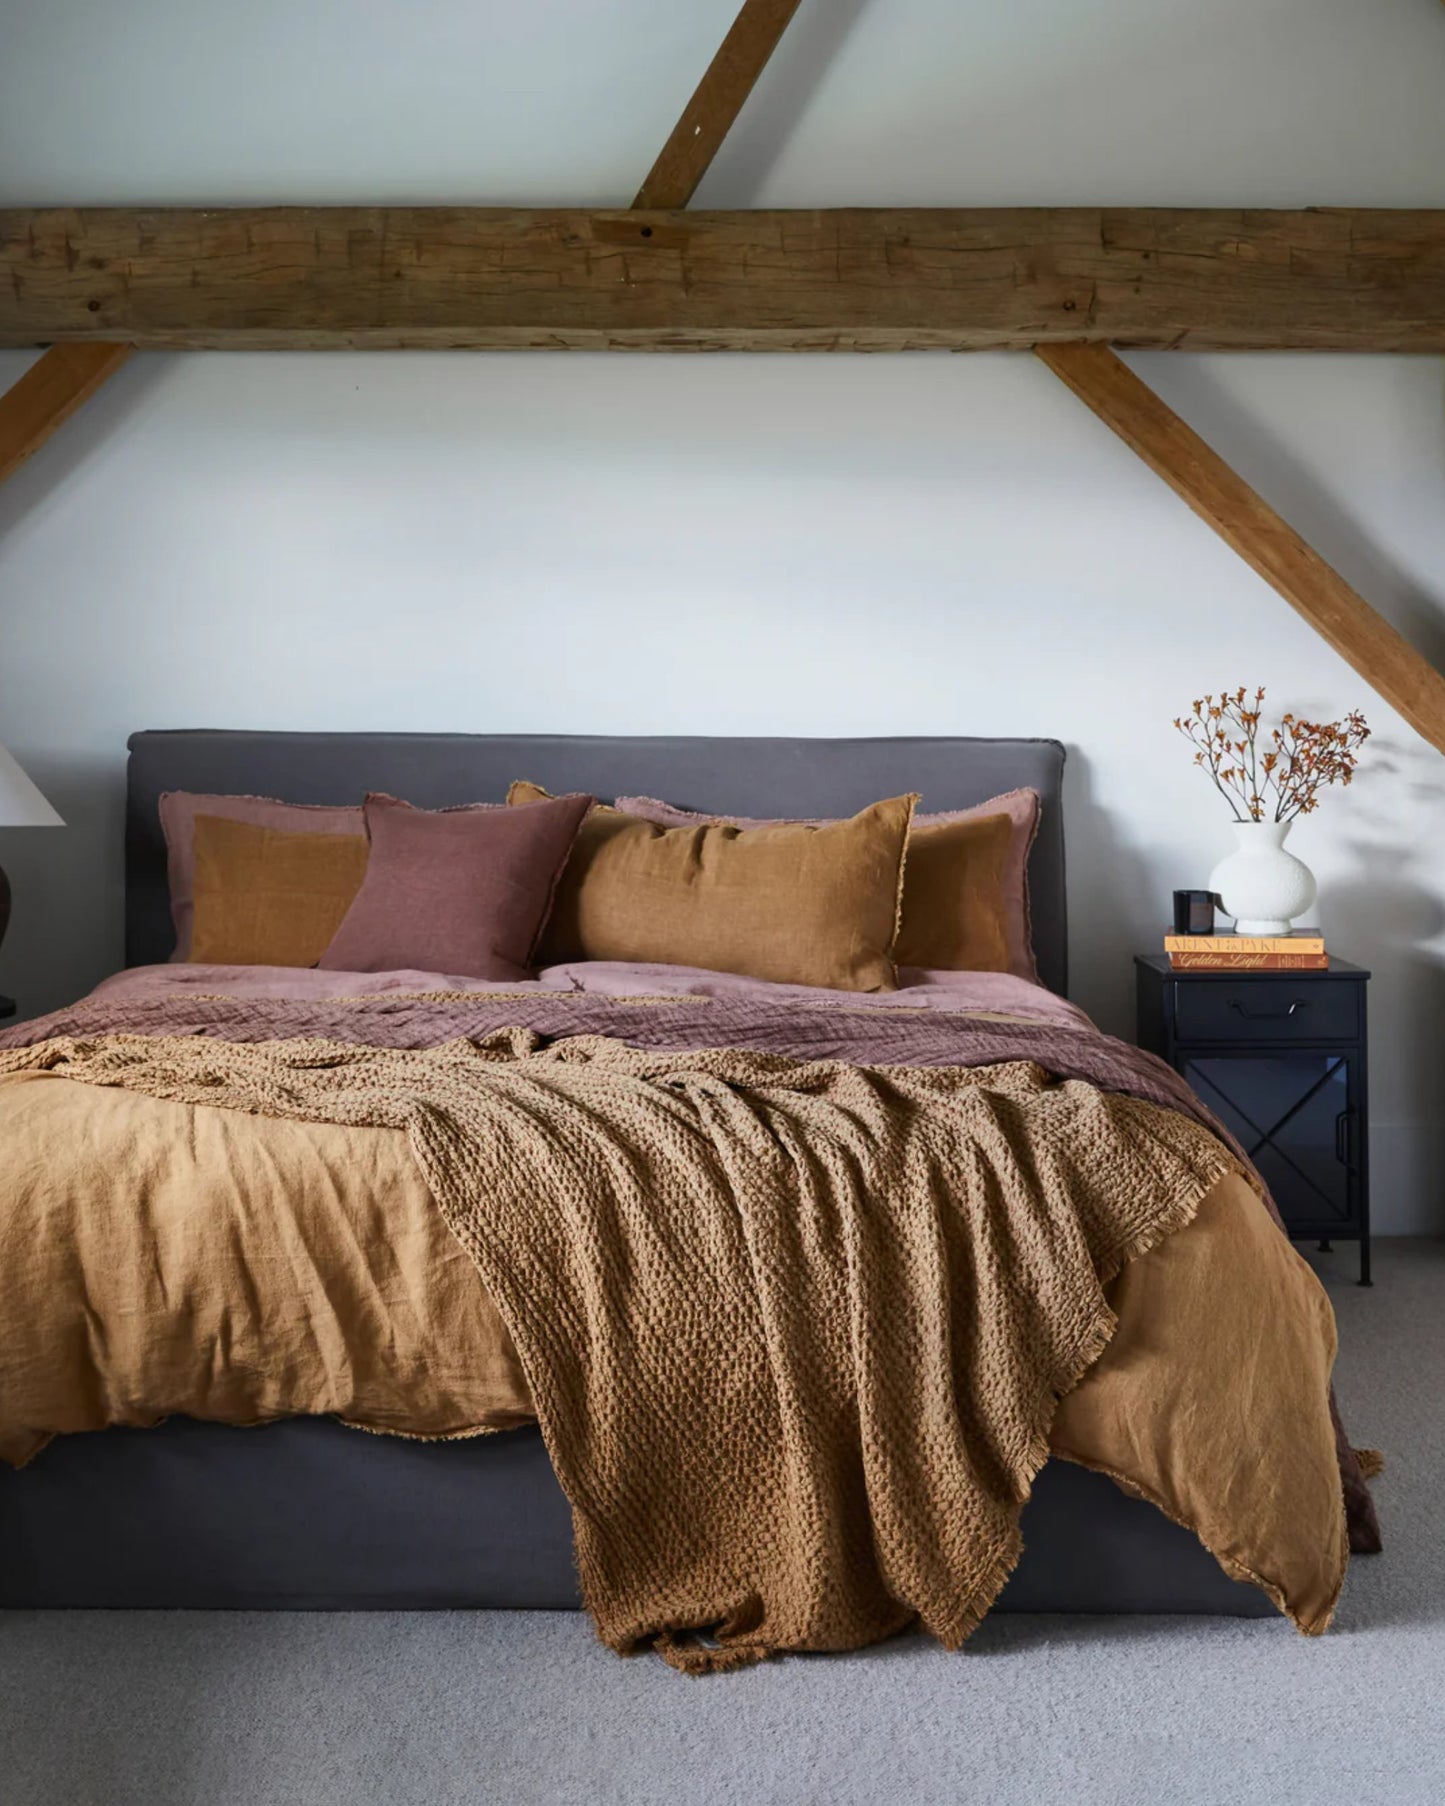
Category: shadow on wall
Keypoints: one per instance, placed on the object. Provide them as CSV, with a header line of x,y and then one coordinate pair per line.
x,y
1387,909
776,110
1384,915
41,483
66,933
1263,458
1111,913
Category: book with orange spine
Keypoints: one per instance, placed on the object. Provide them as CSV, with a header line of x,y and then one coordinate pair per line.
x,y
1249,962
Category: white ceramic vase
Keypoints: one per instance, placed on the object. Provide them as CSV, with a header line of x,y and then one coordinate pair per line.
x,y
1261,885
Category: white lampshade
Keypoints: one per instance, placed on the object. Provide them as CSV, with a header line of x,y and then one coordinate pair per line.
x,y
21,804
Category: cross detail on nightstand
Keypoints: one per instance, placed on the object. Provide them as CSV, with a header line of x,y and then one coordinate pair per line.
x,y
1224,1103
1287,1049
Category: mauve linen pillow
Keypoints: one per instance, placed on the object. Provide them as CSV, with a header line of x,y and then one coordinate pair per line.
x,y
1022,810
461,891
791,902
178,812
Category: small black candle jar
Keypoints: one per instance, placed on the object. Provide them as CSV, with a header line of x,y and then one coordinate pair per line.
x,y
1194,911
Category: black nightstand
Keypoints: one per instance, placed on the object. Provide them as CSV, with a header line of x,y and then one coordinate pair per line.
x,y
1279,1057
7,1007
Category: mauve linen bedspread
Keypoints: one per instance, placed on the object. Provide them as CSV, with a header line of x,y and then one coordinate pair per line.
x,y
917,988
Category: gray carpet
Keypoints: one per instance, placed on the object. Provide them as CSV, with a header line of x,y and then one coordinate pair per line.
x,y
111,1709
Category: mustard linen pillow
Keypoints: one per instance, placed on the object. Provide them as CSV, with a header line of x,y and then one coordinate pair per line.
x,y
792,903
266,898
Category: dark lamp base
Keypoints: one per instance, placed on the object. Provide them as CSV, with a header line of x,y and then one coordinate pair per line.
x,y
7,1004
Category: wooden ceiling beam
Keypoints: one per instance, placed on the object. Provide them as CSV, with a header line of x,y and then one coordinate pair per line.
x,y
883,279
47,395
1247,523
708,117
68,374
1063,282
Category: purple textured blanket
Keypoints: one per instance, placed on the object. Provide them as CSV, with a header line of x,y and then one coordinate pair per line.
x,y
896,1036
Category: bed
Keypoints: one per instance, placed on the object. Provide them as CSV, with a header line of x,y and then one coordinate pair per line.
x,y
309,1514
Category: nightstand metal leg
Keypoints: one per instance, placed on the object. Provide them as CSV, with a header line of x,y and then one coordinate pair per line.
x,y
1327,1247
1365,1279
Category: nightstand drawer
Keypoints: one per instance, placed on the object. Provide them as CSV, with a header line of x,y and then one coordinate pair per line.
x,y
1273,1009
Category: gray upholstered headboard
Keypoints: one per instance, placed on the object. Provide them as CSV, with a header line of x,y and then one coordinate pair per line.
x,y
743,777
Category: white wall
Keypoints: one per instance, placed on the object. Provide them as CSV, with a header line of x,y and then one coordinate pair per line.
x,y
805,545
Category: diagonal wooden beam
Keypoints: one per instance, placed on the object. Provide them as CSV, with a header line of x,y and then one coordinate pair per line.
x,y
706,120
48,394
1245,521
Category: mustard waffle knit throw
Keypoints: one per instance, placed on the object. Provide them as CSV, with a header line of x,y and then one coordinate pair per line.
x,y
795,1330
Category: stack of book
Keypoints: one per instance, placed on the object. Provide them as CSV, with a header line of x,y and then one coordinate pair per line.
x,y
1301,950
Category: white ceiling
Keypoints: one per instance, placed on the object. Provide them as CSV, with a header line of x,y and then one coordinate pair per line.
x,y
1270,102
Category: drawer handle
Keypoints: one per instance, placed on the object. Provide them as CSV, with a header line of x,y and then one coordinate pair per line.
x,y
1235,1003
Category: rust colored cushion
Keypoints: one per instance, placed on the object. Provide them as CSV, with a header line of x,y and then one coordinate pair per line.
x,y
178,812
791,903
267,898
961,888
460,891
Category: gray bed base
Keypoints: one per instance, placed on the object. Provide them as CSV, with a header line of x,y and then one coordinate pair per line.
x,y
308,1515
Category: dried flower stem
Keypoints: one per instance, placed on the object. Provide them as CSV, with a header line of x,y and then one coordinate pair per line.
x,y
1300,760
